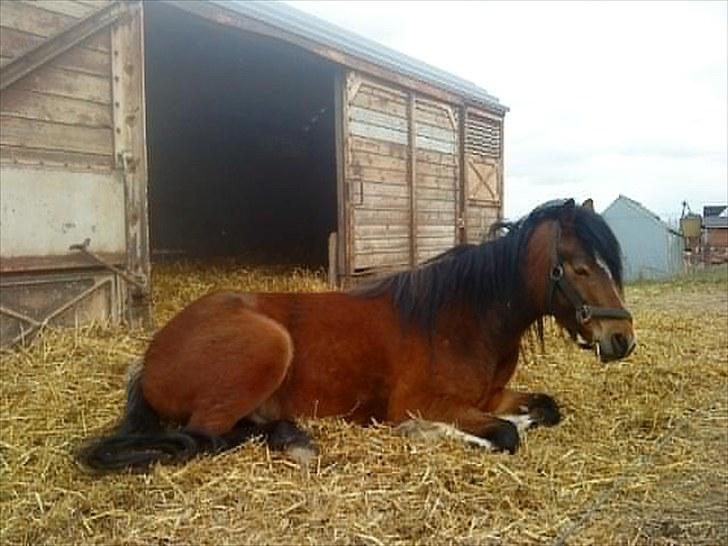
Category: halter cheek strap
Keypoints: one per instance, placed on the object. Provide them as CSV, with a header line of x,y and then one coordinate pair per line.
x,y
558,281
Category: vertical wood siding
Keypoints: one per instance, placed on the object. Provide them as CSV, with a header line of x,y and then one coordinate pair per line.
x,y
394,192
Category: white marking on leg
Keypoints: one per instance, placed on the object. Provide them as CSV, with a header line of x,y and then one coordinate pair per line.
x,y
302,454
522,422
432,430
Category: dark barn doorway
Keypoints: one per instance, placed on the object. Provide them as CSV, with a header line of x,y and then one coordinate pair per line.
x,y
240,136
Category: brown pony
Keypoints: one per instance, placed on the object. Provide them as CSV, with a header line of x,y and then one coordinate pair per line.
x,y
439,342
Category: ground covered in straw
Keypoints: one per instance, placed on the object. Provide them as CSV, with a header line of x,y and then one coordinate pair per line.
x,y
640,458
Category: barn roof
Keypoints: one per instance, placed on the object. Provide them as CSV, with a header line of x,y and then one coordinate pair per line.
x,y
640,209
310,27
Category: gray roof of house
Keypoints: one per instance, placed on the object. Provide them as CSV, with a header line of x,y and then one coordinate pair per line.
x,y
307,26
641,209
713,210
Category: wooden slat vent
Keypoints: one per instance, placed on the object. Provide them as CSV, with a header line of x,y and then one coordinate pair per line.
x,y
483,136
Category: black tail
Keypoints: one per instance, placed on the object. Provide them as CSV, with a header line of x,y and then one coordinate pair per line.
x,y
141,439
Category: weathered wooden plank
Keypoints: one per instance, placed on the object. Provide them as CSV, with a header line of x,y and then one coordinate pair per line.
x,y
69,161
388,243
377,147
372,174
368,216
383,189
425,133
384,202
365,130
89,61
381,258
386,105
377,119
438,182
42,107
437,158
436,231
392,170
14,42
438,239
433,169
436,116
64,7
435,133
361,158
96,4
397,107
382,90
55,136
58,81
436,194
382,231
436,218
30,18
435,145
436,205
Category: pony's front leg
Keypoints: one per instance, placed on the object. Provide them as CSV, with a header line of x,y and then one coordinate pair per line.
x,y
526,409
451,419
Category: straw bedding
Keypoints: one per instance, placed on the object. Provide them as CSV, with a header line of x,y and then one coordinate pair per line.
x,y
640,458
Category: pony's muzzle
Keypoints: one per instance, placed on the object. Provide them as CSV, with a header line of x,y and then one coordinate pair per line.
x,y
616,346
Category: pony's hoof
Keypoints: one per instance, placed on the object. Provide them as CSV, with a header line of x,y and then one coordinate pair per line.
x,y
544,410
503,436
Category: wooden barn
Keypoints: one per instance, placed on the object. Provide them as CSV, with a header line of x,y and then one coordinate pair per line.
x,y
134,130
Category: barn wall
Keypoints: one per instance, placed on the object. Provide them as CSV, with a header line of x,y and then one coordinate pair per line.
x,y
402,159
62,127
60,115
376,173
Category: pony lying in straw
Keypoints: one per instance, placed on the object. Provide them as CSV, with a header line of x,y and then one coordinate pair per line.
x,y
439,342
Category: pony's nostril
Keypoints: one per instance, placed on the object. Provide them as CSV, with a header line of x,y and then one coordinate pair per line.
x,y
620,344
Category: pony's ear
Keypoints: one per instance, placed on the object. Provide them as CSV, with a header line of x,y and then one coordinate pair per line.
x,y
566,215
588,204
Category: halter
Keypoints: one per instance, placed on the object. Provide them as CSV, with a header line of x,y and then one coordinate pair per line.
x,y
558,281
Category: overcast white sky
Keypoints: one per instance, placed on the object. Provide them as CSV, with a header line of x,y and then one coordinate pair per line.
x,y
606,98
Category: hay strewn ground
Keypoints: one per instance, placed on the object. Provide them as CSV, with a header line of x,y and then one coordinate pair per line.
x,y
641,457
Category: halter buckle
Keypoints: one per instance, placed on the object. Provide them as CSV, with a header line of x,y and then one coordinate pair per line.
x,y
583,314
557,273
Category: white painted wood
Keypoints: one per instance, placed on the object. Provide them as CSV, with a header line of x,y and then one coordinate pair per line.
x,y
43,212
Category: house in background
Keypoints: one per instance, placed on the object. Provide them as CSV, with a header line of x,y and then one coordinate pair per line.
x,y
715,225
651,249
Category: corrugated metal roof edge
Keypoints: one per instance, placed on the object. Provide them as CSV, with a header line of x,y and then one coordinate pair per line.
x,y
316,29
639,207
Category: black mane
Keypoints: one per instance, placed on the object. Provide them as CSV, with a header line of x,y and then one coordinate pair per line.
x,y
482,275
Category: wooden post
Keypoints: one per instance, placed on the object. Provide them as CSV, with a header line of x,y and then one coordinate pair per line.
x,y
343,248
130,152
462,224
412,175
333,275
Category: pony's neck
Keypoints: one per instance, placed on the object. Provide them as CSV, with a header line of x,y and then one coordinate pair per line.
x,y
527,302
